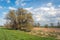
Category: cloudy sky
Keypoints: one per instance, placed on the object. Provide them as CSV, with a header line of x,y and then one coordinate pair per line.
x,y
44,11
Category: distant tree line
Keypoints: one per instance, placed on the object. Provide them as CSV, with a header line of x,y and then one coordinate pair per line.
x,y
52,25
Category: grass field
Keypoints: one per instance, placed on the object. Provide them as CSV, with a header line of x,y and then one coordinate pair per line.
x,y
19,35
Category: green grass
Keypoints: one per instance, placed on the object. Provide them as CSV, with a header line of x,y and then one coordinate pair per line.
x,y
19,35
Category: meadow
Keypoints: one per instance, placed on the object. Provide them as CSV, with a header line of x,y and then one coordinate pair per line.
x,y
6,34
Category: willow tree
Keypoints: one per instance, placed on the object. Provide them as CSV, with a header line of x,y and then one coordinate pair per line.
x,y
20,19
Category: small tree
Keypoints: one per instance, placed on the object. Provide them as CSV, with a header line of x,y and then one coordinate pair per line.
x,y
38,24
46,25
51,24
58,24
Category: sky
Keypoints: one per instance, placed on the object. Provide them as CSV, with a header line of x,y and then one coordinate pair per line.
x,y
44,11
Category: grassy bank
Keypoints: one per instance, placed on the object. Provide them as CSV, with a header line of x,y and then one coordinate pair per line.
x,y
19,35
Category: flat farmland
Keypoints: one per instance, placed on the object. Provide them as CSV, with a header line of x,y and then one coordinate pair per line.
x,y
47,29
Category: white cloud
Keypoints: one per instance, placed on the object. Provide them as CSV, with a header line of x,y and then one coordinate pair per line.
x,y
45,14
58,5
44,8
17,2
49,4
1,7
29,8
58,18
20,2
23,4
39,17
4,14
12,8
8,1
2,21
